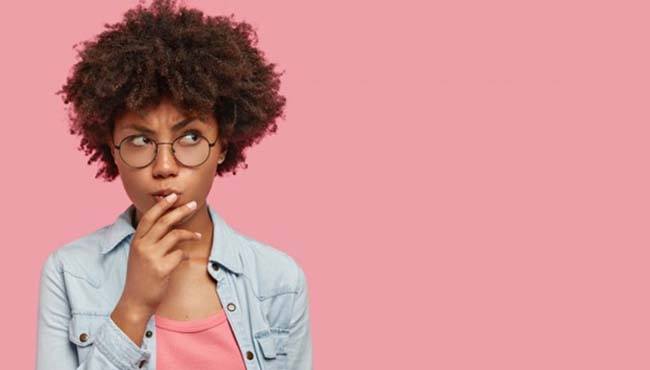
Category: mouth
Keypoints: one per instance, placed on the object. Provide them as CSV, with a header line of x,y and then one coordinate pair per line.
x,y
161,194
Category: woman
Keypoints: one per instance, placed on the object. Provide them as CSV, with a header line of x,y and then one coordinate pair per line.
x,y
168,99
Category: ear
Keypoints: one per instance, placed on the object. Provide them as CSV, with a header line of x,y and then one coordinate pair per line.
x,y
222,156
109,143
223,145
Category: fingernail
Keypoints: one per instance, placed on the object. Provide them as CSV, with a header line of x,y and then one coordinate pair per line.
x,y
198,235
192,204
171,197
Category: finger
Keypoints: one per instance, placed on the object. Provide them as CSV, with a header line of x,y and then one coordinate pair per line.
x,y
174,237
173,259
152,215
163,224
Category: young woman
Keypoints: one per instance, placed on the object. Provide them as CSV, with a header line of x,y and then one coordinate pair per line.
x,y
168,99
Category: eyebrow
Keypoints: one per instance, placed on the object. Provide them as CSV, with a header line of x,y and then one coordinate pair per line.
x,y
176,127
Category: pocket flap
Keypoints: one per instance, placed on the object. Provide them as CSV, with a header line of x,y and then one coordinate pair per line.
x,y
266,341
268,346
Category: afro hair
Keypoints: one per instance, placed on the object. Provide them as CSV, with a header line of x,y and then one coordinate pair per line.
x,y
204,64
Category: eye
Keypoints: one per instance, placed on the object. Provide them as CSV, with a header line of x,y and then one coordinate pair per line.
x,y
139,140
191,137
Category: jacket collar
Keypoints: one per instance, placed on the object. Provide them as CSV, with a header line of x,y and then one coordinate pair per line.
x,y
224,239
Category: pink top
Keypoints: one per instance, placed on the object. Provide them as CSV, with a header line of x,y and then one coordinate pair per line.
x,y
202,344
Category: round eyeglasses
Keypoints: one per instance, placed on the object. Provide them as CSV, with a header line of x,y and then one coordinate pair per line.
x,y
191,149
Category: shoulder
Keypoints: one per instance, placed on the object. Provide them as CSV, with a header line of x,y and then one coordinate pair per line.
x,y
272,270
79,257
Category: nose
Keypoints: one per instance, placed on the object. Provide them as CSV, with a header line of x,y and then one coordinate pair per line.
x,y
165,163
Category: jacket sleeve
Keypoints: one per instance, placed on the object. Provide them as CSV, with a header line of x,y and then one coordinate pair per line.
x,y
299,346
112,348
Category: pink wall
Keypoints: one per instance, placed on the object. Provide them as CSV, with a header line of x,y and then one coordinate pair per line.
x,y
465,183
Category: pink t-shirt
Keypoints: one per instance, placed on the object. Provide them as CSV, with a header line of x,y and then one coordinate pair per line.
x,y
204,344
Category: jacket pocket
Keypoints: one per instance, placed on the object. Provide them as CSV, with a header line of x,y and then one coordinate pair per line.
x,y
83,330
270,343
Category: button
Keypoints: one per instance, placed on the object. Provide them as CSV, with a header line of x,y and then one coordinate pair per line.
x,y
148,333
249,355
141,363
231,307
215,266
83,337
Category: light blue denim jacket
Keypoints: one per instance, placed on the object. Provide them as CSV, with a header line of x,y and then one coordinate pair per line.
x,y
262,289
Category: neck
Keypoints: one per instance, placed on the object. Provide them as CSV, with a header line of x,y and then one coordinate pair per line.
x,y
199,222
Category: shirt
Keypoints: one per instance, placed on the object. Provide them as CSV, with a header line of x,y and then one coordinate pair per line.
x,y
263,290
197,344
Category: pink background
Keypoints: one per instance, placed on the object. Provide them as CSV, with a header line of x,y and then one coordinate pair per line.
x,y
465,183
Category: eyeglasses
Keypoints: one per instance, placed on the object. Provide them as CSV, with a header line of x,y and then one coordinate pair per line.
x,y
191,149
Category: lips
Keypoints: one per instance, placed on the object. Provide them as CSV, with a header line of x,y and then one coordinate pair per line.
x,y
163,193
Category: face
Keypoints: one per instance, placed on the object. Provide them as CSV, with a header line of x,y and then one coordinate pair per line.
x,y
165,172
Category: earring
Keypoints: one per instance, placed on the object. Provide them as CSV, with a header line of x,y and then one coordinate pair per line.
x,y
223,157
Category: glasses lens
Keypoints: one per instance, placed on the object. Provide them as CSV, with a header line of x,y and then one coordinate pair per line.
x,y
137,151
191,149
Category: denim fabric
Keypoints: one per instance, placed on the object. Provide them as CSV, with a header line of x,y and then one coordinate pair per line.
x,y
263,292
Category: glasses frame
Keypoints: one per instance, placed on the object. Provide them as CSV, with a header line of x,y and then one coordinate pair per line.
x,y
157,143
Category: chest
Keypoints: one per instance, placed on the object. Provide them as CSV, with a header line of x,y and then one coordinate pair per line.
x,y
259,308
191,294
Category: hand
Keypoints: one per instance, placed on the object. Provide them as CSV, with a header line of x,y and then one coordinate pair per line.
x,y
150,261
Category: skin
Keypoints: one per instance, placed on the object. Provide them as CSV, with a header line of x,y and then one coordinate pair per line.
x,y
190,292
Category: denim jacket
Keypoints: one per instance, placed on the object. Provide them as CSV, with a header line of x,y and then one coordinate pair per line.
x,y
262,289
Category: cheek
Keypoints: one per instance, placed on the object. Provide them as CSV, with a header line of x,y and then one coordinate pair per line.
x,y
130,187
203,178
134,185
121,167
210,165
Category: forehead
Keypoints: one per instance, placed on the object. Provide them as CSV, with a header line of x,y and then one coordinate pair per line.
x,y
166,114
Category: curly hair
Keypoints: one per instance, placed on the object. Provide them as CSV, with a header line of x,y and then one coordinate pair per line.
x,y
204,64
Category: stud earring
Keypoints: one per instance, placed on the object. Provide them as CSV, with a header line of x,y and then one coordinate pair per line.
x,y
222,157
